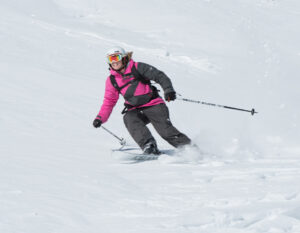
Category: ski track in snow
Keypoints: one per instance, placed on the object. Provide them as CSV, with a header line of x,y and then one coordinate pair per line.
x,y
202,64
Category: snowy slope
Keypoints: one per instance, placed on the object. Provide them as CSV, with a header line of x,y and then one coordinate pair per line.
x,y
57,173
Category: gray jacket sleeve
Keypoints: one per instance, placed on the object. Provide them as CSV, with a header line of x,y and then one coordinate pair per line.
x,y
156,75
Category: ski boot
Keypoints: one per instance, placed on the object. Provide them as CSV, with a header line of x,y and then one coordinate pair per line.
x,y
151,149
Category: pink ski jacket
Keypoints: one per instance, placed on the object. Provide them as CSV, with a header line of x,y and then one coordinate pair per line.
x,y
111,95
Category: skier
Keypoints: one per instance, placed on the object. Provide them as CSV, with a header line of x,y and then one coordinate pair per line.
x,y
143,104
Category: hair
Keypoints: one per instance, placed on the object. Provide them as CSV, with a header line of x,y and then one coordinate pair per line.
x,y
127,58
129,55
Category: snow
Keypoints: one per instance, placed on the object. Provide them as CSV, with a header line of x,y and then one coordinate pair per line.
x,y
59,175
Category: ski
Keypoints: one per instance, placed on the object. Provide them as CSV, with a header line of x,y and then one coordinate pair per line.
x,y
133,155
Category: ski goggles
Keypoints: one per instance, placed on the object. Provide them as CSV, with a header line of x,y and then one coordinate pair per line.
x,y
114,58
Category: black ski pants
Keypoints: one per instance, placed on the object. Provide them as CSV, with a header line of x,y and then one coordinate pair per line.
x,y
158,115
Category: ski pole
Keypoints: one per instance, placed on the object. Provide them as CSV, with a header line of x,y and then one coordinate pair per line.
x,y
252,111
121,140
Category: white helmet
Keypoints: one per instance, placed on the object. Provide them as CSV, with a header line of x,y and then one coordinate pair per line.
x,y
116,50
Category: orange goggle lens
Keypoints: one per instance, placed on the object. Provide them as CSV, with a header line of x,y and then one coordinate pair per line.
x,y
114,58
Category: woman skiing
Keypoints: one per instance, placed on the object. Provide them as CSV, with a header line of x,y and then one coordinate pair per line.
x,y
143,104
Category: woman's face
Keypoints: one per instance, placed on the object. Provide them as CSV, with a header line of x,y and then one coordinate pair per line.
x,y
117,65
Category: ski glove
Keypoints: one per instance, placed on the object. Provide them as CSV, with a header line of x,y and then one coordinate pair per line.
x,y
97,123
171,96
